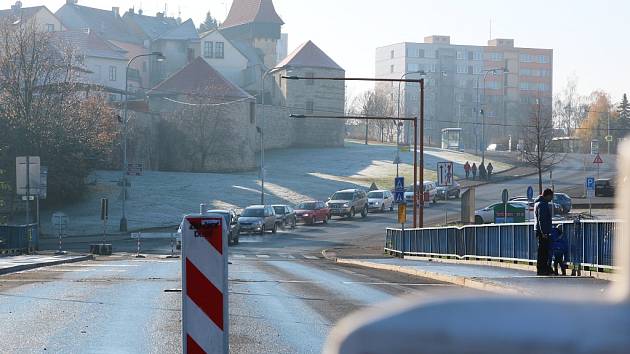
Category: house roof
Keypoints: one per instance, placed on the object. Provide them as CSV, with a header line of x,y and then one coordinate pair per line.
x,y
90,44
249,11
309,55
103,22
184,31
199,76
21,12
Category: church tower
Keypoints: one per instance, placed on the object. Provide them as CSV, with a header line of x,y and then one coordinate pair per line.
x,y
256,22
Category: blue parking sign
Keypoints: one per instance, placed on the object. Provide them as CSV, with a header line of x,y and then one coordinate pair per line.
x,y
590,183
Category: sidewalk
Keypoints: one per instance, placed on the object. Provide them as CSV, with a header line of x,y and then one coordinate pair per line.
x,y
489,278
20,263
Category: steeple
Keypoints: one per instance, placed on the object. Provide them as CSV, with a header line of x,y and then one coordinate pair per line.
x,y
245,12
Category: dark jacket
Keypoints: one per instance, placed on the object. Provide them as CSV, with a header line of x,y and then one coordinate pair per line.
x,y
559,242
542,213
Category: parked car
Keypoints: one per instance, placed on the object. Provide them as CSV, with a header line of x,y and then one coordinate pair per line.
x,y
604,188
428,187
380,200
312,212
348,202
232,220
564,201
285,215
448,192
558,209
486,215
258,218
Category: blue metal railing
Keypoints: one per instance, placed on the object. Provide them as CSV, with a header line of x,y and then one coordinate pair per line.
x,y
590,242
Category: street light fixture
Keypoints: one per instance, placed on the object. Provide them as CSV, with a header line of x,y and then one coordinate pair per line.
x,y
418,218
485,72
125,120
421,73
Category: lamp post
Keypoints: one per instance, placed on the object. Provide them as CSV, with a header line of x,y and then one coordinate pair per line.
x,y
125,120
422,73
485,72
261,130
418,217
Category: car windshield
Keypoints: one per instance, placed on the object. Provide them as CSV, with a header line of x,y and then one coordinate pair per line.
x,y
375,195
342,196
307,206
254,212
279,209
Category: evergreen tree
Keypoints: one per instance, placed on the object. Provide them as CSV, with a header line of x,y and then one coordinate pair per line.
x,y
624,109
209,23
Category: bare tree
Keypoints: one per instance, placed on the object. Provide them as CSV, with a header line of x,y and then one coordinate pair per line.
x,y
376,104
539,136
46,111
568,112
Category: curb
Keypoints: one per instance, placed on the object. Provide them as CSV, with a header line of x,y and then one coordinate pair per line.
x,y
23,267
453,279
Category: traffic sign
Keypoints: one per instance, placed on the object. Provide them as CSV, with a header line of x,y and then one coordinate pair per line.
x,y
609,138
399,197
135,169
59,219
399,184
27,173
402,213
598,160
445,174
590,184
530,193
505,196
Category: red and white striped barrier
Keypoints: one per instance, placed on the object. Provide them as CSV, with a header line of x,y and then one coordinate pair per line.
x,y
204,284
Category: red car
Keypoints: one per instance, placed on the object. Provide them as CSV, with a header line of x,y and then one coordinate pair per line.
x,y
312,212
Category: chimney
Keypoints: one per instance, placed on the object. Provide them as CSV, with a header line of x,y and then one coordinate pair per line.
x,y
71,2
132,10
139,11
17,7
116,11
159,15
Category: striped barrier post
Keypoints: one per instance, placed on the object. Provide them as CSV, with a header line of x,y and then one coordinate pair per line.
x,y
204,285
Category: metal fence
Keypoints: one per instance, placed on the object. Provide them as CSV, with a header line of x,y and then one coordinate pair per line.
x,y
18,239
590,242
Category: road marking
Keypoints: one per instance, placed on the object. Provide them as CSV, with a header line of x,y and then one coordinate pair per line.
x,y
386,283
239,256
101,265
309,257
262,255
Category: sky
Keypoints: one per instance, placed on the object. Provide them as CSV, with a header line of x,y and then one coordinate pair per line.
x,y
590,39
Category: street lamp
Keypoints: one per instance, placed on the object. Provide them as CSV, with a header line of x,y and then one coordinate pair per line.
x,y
485,72
261,130
422,73
159,57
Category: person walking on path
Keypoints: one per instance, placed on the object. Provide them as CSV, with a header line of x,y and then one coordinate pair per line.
x,y
474,171
542,226
490,168
482,172
467,169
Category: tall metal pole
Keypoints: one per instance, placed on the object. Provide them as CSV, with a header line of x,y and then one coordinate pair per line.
x,y
421,223
262,134
415,174
421,72
608,133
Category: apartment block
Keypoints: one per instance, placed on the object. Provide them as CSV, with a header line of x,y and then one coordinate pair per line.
x,y
463,89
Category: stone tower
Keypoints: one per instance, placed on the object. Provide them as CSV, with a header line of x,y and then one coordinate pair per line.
x,y
256,22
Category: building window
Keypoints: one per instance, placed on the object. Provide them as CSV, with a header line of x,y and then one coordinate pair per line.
x,y
496,56
309,107
460,55
252,112
477,55
391,54
432,67
391,69
50,27
461,69
470,69
523,86
420,53
112,73
309,78
411,67
207,49
477,69
219,50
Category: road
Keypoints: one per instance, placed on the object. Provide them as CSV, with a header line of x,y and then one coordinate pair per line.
x,y
284,295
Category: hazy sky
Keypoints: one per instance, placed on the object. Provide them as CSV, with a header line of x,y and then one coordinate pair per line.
x,y
590,39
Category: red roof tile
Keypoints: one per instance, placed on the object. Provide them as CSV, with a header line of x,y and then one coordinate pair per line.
x,y
249,11
309,55
199,77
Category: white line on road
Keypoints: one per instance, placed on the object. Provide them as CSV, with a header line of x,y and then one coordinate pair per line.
x,y
385,283
309,257
262,255
239,256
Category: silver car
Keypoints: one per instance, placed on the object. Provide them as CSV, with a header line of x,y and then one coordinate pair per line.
x,y
258,219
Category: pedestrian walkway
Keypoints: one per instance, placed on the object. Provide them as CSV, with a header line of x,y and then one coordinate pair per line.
x,y
489,278
20,263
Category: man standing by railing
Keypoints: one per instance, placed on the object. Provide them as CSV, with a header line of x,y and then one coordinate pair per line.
x,y
543,226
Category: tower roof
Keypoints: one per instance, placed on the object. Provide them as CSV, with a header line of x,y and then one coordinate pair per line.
x,y
309,55
249,11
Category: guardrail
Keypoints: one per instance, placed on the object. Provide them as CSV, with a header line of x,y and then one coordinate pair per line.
x,y
590,242
18,239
